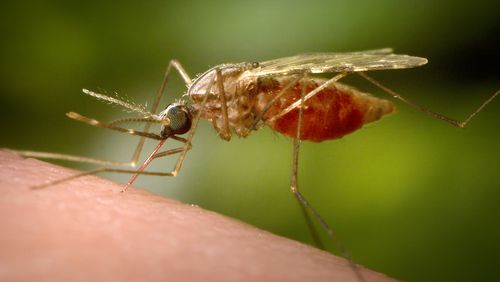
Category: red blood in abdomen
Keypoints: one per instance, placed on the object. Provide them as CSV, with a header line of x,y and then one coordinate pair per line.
x,y
330,114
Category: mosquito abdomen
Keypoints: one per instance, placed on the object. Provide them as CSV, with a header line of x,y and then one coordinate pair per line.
x,y
334,112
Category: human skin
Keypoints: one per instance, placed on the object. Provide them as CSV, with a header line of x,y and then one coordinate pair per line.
x,y
86,230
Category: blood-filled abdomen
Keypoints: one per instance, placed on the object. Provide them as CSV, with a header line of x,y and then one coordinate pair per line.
x,y
335,111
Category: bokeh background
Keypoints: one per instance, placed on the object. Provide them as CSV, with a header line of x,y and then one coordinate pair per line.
x,y
409,196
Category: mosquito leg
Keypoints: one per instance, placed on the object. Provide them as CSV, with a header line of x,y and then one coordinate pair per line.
x,y
309,95
310,226
270,103
108,169
98,170
226,132
154,107
444,118
81,159
307,217
171,152
64,157
305,204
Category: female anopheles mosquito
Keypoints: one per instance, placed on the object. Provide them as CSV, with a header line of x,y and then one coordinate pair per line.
x,y
239,98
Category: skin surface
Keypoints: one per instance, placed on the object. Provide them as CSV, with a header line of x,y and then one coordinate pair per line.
x,y
86,230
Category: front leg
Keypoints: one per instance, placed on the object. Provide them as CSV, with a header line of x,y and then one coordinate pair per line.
x,y
224,132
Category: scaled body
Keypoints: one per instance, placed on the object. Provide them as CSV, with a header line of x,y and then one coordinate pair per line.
x,y
334,112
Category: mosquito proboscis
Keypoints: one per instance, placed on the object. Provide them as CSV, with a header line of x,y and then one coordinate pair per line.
x,y
282,94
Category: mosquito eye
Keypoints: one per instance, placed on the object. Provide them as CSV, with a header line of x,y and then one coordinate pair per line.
x,y
180,120
255,65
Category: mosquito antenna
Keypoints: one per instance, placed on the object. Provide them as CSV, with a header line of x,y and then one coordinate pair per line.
x,y
140,120
116,101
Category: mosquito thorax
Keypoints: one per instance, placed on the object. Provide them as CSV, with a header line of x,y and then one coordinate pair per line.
x,y
178,117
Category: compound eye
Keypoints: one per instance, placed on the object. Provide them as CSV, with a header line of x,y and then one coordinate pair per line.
x,y
179,118
255,65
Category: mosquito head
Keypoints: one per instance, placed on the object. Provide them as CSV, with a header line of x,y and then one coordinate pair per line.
x,y
178,117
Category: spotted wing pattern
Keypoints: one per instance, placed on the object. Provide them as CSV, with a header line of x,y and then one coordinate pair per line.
x,y
337,62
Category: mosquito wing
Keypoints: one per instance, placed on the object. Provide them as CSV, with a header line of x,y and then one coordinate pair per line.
x,y
380,59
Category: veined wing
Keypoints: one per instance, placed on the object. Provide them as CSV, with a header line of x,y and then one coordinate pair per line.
x,y
338,62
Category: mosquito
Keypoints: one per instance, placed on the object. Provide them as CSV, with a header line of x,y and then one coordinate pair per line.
x,y
240,98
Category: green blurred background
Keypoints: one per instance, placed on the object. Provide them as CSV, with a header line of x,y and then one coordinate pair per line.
x,y
409,196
